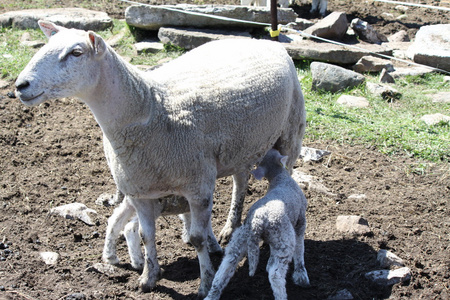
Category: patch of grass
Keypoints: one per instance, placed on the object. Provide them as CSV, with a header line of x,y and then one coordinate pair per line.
x,y
392,127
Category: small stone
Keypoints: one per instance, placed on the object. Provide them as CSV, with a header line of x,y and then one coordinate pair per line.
x,y
355,225
341,295
383,90
11,95
308,154
75,210
435,119
440,97
50,258
353,101
385,77
389,277
76,296
357,196
387,259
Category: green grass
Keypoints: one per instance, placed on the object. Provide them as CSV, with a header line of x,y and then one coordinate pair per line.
x,y
391,127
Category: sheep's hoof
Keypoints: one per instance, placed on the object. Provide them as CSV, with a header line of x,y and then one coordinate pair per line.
x,y
146,285
225,234
111,259
301,279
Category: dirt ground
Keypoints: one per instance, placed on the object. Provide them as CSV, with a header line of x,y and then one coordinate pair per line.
x,y
52,155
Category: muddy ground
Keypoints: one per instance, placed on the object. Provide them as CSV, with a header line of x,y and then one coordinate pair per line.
x,y
52,155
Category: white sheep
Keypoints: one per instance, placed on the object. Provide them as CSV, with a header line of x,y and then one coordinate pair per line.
x,y
319,5
279,219
210,113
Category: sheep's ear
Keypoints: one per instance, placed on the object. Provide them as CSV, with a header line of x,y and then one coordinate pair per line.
x,y
283,161
259,173
98,43
49,28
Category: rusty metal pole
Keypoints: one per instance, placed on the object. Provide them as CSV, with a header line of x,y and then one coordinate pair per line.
x,y
274,19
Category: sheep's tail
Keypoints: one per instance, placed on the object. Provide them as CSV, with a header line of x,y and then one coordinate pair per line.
x,y
253,238
234,253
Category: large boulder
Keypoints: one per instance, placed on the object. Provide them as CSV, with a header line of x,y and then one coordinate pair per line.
x,y
333,78
432,46
155,17
334,26
78,18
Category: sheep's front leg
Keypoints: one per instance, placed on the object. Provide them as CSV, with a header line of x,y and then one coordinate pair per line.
x,y
200,219
213,245
116,222
145,209
240,183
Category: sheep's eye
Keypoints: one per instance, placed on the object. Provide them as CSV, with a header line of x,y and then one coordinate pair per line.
x,y
76,52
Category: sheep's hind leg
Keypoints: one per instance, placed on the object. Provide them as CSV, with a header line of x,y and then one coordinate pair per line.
x,y
116,222
240,183
145,209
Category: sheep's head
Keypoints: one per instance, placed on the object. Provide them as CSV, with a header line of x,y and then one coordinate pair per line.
x,y
66,66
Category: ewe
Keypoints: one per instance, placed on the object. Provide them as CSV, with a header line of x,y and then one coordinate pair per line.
x,y
279,219
211,113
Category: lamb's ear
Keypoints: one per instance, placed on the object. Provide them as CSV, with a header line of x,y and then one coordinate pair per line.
x,y
98,43
49,28
283,161
259,173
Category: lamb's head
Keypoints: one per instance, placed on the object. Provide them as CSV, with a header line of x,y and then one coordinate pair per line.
x,y
271,162
66,66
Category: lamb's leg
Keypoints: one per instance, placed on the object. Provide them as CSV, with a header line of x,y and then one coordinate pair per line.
x,y
201,206
240,183
131,233
213,245
234,253
116,222
282,246
145,209
300,276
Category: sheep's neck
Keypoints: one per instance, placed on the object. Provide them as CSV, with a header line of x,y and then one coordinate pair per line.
x,y
122,97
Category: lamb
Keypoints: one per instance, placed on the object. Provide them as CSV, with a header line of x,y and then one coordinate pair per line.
x,y
322,4
279,219
170,205
210,113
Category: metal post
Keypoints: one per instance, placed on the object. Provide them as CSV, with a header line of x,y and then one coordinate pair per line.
x,y
274,18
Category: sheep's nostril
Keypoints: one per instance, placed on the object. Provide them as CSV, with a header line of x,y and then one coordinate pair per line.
x,y
22,84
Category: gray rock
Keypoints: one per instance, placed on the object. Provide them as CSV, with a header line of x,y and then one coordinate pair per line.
x,y
190,38
389,277
366,32
300,24
319,51
353,101
399,36
410,71
313,154
74,211
383,90
332,78
149,47
108,270
341,295
434,119
385,77
372,64
79,18
312,183
440,97
387,259
75,296
354,225
431,46
357,196
153,18
334,26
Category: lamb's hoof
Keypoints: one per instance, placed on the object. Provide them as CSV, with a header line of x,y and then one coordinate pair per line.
x,y
301,279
